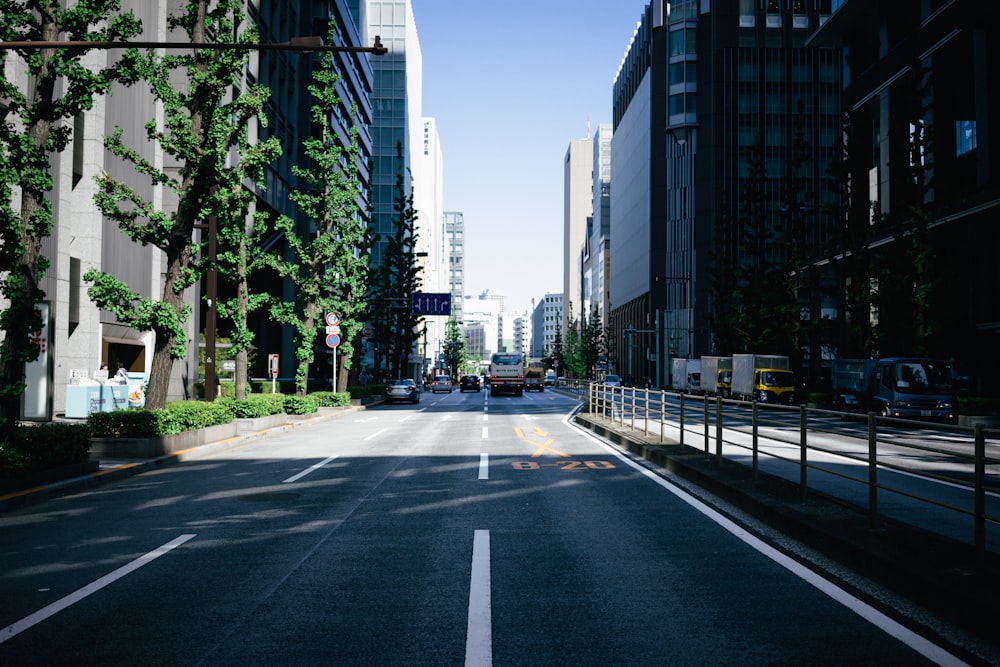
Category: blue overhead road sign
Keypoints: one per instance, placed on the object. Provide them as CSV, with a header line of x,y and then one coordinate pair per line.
x,y
432,303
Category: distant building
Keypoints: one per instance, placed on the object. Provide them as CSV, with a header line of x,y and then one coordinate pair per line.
x,y
577,202
454,250
699,84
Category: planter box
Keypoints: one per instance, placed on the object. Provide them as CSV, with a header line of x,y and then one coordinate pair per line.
x,y
147,448
245,426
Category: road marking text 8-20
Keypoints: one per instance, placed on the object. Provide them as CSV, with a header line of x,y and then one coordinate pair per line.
x,y
563,465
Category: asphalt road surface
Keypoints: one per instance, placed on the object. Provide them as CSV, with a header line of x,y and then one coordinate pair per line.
x,y
463,530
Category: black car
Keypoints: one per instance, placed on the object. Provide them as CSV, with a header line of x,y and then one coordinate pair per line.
x,y
469,383
534,384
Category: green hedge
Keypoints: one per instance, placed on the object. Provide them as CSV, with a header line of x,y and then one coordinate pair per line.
x,y
331,399
255,405
301,405
175,417
44,446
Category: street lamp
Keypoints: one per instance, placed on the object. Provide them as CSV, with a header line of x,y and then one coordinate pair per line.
x,y
305,44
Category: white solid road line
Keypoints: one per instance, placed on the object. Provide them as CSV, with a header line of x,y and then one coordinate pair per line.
x,y
925,647
297,477
73,598
479,637
379,432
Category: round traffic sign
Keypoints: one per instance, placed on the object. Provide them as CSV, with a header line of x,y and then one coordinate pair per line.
x,y
333,340
332,319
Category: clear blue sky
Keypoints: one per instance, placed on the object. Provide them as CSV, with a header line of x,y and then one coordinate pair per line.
x,y
511,85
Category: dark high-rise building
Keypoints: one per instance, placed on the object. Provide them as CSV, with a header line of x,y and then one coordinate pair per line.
x,y
725,125
919,268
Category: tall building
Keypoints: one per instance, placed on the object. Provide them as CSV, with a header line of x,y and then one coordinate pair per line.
x,y
396,100
547,319
921,96
454,250
288,112
699,85
599,243
577,201
431,248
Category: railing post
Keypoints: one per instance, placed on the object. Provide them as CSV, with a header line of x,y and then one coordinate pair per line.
x,y
718,431
631,391
803,467
645,420
663,408
705,398
680,398
753,431
872,472
980,491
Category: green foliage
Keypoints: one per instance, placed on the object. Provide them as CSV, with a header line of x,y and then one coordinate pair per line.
x,y
255,405
454,346
31,129
197,132
394,281
124,423
366,390
44,446
331,399
326,260
301,405
175,417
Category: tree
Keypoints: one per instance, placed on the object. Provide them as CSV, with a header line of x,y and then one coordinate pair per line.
x,y
328,258
592,343
197,133
454,347
394,281
32,128
239,241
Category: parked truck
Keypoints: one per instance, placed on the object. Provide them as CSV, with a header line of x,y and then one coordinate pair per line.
x,y
717,376
766,378
686,375
906,387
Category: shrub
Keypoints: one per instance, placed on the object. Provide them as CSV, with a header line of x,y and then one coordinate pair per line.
x,y
180,416
44,446
300,405
330,399
124,423
175,417
255,405
366,390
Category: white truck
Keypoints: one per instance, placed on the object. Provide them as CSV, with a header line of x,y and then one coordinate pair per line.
x,y
686,375
766,378
717,376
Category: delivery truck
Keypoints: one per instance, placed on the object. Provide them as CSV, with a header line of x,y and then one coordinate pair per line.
x,y
766,378
905,387
686,375
717,376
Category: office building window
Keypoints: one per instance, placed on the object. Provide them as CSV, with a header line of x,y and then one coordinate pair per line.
x,y
965,136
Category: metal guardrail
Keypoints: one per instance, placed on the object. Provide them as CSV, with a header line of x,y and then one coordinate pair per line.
x,y
963,461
